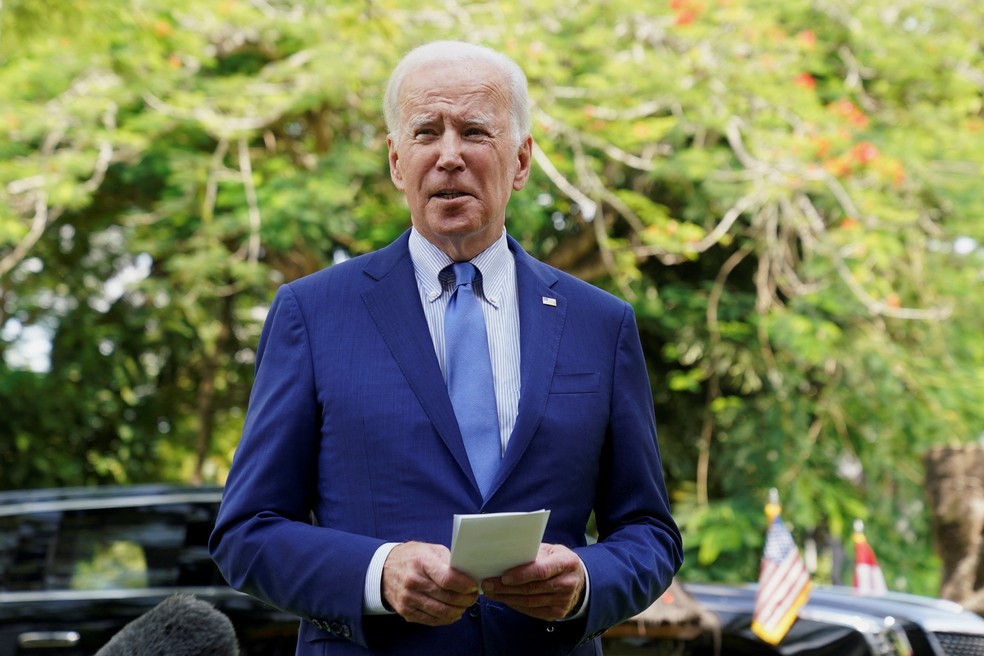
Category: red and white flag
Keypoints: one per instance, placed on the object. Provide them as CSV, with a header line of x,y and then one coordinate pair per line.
x,y
868,577
784,583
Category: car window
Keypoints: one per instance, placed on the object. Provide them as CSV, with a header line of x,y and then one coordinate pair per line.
x,y
110,564
107,548
25,542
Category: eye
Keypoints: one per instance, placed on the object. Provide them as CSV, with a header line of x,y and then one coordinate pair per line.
x,y
476,132
424,130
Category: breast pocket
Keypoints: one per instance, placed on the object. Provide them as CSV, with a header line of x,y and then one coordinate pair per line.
x,y
586,383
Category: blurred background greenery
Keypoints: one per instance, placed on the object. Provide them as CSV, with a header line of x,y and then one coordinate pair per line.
x,y
789,193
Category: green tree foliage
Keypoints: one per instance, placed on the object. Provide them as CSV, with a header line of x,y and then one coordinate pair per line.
x,y
788,193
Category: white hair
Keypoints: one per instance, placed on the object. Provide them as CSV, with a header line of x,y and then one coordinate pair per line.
x,y
460,52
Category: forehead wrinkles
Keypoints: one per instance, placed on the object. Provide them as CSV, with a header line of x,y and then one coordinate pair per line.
x,y
473,101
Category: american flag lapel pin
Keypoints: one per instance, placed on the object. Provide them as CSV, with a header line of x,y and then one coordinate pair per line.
x,y
552,302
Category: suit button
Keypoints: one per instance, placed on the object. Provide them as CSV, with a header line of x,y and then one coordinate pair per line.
x,y
336,628
475,611
346,631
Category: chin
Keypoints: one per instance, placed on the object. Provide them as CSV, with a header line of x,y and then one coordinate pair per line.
x,y
456,226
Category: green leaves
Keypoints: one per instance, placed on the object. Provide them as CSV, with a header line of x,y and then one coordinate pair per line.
x,y
788,193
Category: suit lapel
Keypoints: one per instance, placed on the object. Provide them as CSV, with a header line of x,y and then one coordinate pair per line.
x,y
541,324
394,304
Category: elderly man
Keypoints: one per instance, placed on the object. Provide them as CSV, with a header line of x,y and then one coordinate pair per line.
x,y
448,372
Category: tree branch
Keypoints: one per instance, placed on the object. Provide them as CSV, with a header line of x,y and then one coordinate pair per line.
x,y
714,384
246,173
873,305
588,207
105,156
212,182
213,122
24,246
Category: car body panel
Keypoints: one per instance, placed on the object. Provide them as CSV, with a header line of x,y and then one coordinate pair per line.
x,y
78,564
834,622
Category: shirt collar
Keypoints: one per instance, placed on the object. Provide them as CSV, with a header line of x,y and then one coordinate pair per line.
x,y
428,261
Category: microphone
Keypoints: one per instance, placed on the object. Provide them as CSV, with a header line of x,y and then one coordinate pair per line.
x,y
181,625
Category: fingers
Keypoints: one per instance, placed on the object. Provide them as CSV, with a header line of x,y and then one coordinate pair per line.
x,y
419,584
552,561
547,607
550,588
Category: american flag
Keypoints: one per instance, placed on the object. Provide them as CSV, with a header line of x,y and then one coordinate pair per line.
x,y
868,577
784,583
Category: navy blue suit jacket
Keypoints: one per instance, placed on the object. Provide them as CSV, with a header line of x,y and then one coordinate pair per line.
x,y
350,441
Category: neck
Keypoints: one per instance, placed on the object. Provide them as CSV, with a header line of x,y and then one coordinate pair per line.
x,y
465,249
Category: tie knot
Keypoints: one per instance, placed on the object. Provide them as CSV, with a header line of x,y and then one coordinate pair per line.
x,y
464,273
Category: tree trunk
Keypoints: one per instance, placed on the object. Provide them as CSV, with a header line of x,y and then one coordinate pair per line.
x,y
207,388
955,485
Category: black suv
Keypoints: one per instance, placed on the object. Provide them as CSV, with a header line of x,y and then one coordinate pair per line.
x,y
834,622
76,565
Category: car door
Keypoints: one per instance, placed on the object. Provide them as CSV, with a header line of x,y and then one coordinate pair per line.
x,y
73,572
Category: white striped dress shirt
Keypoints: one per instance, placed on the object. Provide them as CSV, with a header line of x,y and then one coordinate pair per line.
x,y
500,308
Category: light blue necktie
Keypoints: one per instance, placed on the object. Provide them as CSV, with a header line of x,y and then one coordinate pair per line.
x,y
469,376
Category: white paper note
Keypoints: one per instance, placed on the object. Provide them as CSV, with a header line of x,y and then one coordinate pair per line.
x,y
486,545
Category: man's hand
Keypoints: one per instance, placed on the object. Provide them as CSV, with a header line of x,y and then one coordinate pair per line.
x,y
419,584
549,588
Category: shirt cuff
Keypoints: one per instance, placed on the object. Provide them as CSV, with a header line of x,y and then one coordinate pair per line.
x,y
372,594
583,608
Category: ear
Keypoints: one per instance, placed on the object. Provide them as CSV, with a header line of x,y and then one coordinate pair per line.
x,y
395,175
524,159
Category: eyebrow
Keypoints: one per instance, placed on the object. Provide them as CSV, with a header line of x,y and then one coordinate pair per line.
x,y
479,121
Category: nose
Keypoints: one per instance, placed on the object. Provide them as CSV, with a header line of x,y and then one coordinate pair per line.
x,y
450,158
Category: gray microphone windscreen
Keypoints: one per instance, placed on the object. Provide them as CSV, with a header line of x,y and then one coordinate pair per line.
x,y
181,625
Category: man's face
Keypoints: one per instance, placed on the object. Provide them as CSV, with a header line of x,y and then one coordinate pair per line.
x,y
455,157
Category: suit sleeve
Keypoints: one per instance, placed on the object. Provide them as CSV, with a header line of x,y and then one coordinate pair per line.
x,y
639,547
264,542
